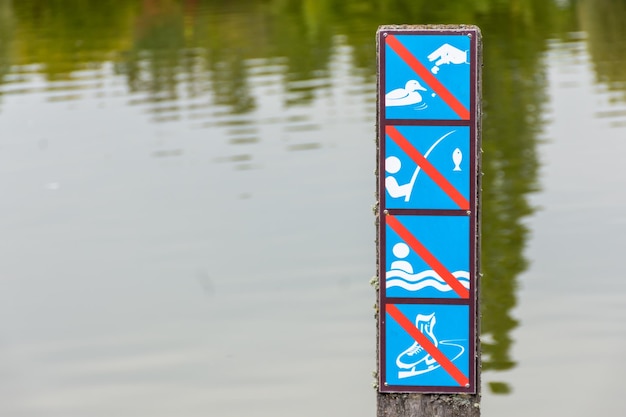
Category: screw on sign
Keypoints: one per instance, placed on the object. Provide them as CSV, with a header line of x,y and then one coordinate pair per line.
x,y
428,230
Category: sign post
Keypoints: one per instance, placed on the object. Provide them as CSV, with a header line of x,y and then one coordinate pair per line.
x,y
428,141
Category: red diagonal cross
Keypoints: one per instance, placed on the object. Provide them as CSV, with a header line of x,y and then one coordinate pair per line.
x,y
428,168
428,78
425,254
432,350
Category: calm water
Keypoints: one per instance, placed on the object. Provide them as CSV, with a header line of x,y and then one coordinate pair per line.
x,y
570,344
186,207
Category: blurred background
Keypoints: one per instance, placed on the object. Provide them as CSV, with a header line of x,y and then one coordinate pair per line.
x,y
186,193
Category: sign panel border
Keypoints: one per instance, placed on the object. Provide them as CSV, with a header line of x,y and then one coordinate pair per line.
x,y
473,122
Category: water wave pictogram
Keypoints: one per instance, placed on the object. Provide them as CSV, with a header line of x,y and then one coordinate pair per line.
x,y
424,279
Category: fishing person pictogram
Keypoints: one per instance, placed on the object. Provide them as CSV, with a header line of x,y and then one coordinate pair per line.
x,y
424,167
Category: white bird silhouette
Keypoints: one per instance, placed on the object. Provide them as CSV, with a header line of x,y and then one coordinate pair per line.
x,y
405,96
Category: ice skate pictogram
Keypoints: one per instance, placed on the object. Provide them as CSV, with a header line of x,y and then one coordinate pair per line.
x,y
415,354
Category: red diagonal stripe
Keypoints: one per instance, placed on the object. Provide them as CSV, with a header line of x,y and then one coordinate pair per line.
x,y
425,254
432,350
428,168
428,78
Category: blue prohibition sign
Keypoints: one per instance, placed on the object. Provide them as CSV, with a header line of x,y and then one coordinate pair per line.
x,y
447,148
408,96
446,327
408,275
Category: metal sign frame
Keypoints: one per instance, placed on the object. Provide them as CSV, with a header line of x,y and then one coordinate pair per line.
x,y
428,223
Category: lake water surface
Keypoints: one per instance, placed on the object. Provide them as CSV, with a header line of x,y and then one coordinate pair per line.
x,y
187,193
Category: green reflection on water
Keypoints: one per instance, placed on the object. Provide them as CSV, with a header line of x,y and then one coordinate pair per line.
x,y
157,43
603,20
